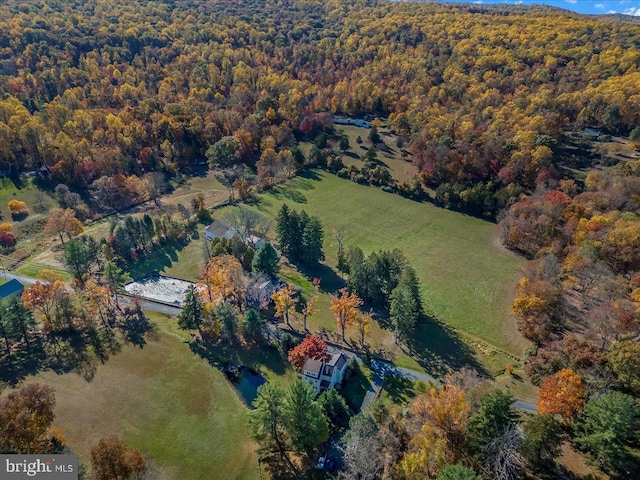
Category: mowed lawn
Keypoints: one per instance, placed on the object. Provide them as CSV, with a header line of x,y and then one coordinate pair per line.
x,y
467,278
164,400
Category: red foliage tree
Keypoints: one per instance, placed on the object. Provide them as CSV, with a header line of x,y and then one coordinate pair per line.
x,y
311,347
306,125
7,240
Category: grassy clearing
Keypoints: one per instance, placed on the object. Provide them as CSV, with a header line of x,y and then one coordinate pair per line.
x,y
467,279
396,159
37,201
213,191
188,261
164,400
518,386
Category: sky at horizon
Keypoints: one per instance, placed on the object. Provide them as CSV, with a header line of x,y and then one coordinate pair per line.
x,y
590,7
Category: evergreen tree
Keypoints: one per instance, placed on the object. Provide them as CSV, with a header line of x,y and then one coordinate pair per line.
x,y
21,317
78,258
457,472
266,260
298,224
409,281
15,321
191,316
252,324
357,272
304,421
403,312
283,229
268,418
606,427
312,238
115,278
335,410
543,437
344,143
374,136
225,313
493,416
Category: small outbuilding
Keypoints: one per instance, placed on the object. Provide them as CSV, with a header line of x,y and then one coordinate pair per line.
x,y
11,288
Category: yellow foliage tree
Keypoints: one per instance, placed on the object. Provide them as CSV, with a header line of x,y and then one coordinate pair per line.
x,y
309,309
285,301
223,279
443,417
363,324
17,207
6,227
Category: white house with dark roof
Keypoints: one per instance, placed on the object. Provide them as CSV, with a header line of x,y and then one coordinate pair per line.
x,y
323,375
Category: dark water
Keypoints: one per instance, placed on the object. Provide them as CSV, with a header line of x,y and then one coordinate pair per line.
x,y
247,384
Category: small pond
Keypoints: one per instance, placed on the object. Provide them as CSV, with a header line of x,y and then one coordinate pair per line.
x,y
246,381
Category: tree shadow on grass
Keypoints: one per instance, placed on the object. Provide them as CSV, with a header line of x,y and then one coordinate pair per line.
x,y
351,155
254,356
136,327
399,389
156,261
438,348
77,352
330,281
289,192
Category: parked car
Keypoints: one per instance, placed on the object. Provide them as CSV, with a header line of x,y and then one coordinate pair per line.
x,y
321,462
331,464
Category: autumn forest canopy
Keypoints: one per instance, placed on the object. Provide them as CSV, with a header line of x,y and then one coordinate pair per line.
x,y
100,93
500,112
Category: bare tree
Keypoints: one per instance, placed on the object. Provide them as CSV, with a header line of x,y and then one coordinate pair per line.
x,y
227,176
502,455
39,199
247,222
363,450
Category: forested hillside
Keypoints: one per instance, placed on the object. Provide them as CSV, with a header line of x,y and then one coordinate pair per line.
x,y
100,91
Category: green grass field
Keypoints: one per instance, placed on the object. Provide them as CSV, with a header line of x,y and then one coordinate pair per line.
x,y
467,278
164,400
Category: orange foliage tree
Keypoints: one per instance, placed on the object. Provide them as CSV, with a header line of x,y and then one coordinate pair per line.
x,y
42,297
534,307
311,347
344,306
563,394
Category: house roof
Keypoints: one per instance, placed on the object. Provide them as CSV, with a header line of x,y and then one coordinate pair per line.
x,y
338,360
255,241
12,287
221,230
312,365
